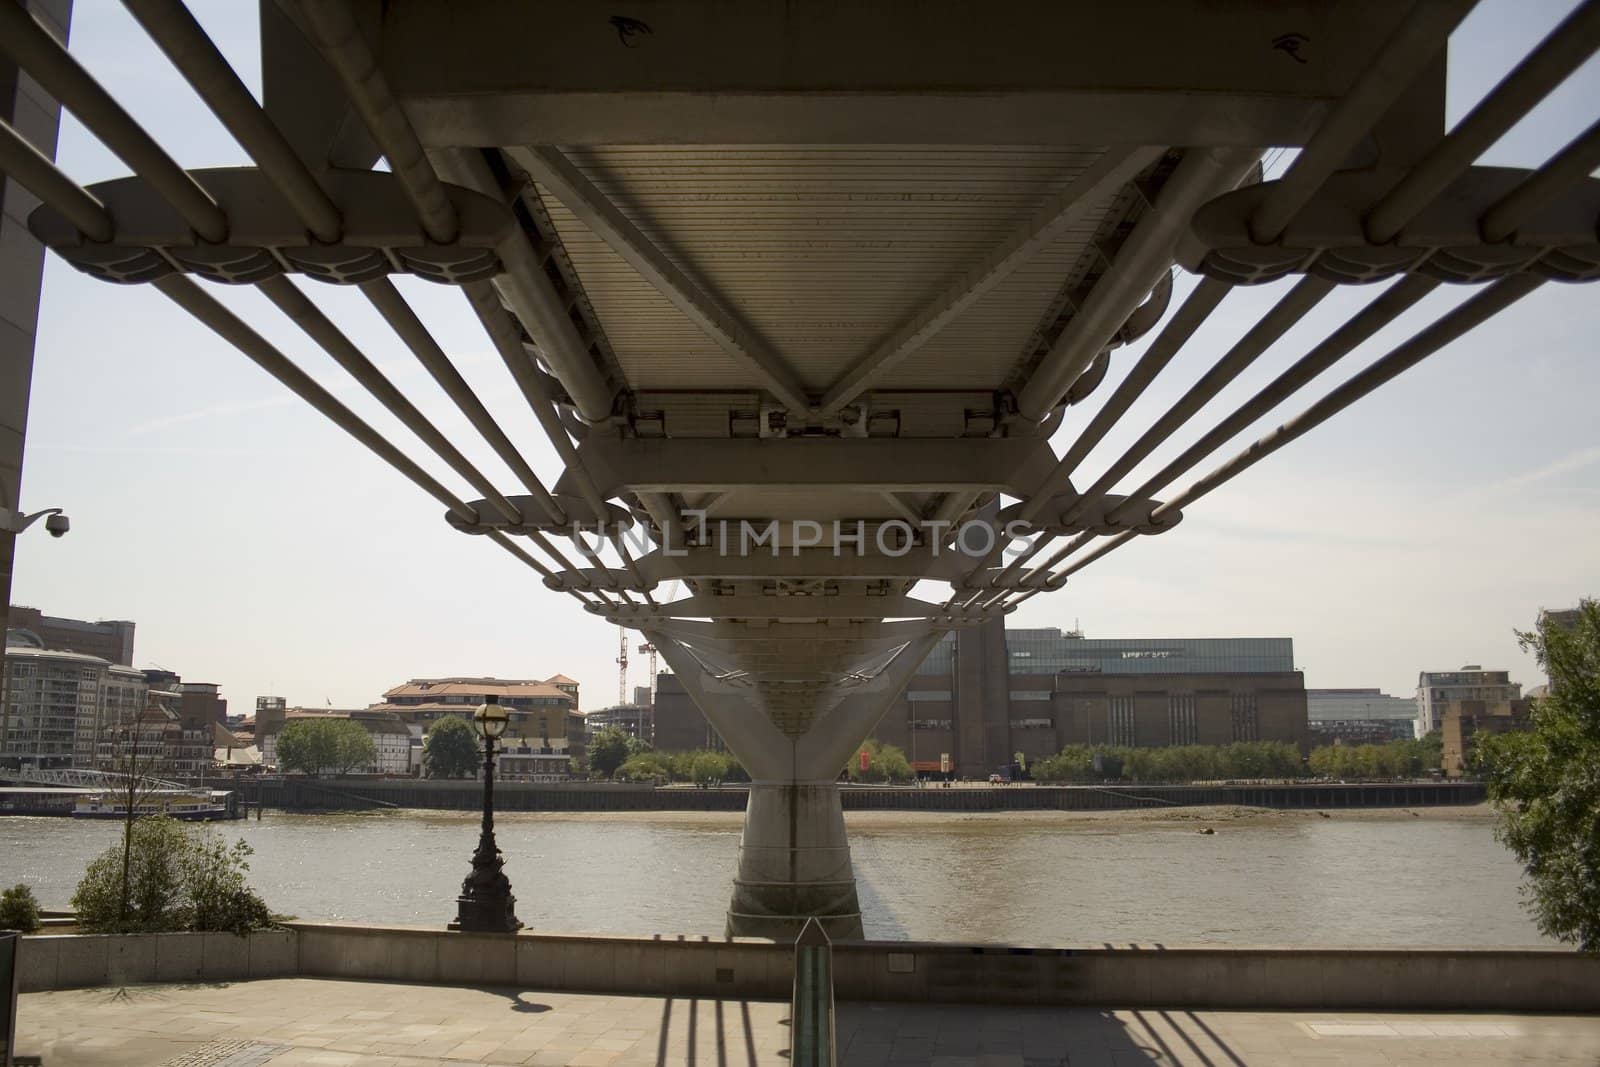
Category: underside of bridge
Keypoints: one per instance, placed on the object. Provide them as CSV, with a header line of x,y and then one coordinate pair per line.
x,y
803,292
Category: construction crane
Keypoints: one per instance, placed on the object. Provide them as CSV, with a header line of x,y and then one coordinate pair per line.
x,y
622,667
647,649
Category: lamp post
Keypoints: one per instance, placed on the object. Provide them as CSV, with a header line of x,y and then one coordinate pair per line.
x,y
486,904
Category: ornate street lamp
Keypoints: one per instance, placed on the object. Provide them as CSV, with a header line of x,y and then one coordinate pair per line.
x,y
486,904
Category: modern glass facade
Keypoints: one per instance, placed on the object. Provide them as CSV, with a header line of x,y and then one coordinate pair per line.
x,y
1051,651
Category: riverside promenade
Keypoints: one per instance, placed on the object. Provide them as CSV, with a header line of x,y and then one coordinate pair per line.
x,y
308,1022
345,995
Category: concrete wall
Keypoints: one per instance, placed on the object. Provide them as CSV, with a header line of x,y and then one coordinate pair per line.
x,y
1245,978
69,961
676,966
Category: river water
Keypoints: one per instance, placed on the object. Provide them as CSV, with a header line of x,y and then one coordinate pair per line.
x,y
1434,878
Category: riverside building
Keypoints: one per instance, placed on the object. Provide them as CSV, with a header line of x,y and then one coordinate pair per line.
x,y
679,726
1359,716
1461,722
543,737
52,709
1437,689
635,720
985,694
108,639
391,736
66,709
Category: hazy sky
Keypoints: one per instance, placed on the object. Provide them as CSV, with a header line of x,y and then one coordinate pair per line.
x,y
260,547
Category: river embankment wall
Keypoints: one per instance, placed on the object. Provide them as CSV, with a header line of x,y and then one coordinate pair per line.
x,y
354,794
1122,976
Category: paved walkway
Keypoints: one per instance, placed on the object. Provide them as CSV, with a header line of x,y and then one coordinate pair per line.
x,y
304,1022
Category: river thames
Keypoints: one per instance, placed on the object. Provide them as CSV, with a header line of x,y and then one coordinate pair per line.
x,y
1437,877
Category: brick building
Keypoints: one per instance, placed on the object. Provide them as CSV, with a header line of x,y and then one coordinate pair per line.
x,y
679,726
1463,721
108,639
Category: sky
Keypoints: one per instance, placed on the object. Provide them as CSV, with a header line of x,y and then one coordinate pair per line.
x,y
259,547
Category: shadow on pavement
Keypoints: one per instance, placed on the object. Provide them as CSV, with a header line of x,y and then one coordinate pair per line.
x,y
876,1034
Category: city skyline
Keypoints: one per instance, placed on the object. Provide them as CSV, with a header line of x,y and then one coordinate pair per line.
x,y
639,677
260,548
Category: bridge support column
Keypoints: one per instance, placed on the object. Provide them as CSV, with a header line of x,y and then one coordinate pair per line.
x,y
794,864
794,855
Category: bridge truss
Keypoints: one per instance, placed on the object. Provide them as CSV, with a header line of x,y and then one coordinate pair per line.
x,y
84,778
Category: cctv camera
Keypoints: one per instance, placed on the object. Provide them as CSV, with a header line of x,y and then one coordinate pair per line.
x,y
58,525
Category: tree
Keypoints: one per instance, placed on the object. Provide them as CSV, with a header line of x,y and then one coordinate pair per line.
x,y
707,768
1545,781
135,748
701,766
19,910
646,767
325,746
885,763
177,880
1394,759
609,749
450,748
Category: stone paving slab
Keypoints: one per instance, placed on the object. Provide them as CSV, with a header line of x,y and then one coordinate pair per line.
x,y
305,1022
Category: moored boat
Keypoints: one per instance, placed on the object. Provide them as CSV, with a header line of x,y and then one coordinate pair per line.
x,y
189,805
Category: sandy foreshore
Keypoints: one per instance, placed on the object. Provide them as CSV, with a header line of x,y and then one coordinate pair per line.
x,y
1202,815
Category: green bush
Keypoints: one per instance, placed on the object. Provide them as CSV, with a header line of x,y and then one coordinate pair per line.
x,y
218,897
19,910
176,880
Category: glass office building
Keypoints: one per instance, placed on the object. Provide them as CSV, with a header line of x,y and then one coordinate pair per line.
x,y
1052,651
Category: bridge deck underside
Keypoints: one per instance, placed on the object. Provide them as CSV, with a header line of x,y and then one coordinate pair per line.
x,y
825,249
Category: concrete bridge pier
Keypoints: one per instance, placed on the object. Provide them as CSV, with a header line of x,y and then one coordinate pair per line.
x,y
794,864
794,854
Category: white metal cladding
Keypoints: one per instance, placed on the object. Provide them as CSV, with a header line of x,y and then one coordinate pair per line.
x,y
824,250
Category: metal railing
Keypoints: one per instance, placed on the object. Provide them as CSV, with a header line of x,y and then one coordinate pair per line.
x,y
811,1029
